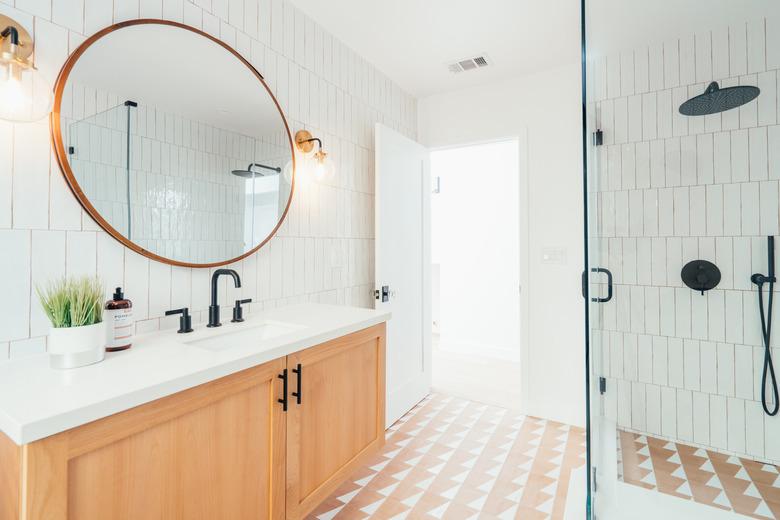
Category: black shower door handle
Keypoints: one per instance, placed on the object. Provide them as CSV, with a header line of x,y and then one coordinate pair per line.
x,y
609,283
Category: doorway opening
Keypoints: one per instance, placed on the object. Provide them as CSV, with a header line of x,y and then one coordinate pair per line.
x,y
475,272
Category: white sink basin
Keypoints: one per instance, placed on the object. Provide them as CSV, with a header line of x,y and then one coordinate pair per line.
x,y
248,335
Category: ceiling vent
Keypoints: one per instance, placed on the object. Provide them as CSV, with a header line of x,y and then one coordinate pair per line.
x,y
466,64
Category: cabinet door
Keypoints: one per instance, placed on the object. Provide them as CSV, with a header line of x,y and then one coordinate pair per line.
x,y
214,451
340,420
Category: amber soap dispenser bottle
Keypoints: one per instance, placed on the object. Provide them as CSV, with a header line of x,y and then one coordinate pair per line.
x,y
118,315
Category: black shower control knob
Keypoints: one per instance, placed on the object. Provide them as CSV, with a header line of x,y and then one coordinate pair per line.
x,y
700,275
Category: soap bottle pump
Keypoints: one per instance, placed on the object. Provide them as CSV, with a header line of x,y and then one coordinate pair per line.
x,y
120,325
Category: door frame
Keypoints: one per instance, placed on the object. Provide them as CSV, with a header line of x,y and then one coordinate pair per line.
x,y
524,250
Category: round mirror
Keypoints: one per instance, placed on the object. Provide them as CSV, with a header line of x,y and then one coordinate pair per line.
x,y
173,143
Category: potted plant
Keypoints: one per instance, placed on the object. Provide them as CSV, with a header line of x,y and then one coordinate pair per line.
x,y
74,307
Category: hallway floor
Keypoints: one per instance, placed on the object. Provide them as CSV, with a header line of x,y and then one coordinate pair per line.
x,y
478,378
458,459
719,480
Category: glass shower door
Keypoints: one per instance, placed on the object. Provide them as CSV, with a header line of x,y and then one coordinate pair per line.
x,y
682,142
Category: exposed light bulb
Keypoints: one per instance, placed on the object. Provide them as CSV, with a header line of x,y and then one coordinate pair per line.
x,y
25,95
323,168
12,95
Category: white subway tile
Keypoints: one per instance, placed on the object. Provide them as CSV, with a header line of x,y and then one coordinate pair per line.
x,y
671,63
768,194
626,73
652,310
748,113
685,415
683,312
736,425
641,70
743,371
703,41
714,209
738,49
638,407
701,418
757,139
756,50
698,218
81,255
668,412
665,113
767,100
716,318
649,116
31,176
718,422
681,212
15,303
653,404
720,53
691,364
750,208
687,60
634,117
47,266
754,429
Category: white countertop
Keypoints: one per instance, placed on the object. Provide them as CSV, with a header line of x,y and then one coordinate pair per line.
x,y
37,401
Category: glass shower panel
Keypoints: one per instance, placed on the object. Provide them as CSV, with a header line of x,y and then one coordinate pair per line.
x,y
683,169
97,145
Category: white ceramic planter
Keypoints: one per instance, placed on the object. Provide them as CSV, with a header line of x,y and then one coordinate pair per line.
x,y
77,346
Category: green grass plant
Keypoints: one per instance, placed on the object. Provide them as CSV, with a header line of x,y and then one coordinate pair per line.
x,y
73,302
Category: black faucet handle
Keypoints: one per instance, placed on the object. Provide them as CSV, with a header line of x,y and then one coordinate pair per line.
x,y
238,311
185,321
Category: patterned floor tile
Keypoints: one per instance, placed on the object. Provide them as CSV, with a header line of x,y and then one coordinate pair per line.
x,y
745,486
457,459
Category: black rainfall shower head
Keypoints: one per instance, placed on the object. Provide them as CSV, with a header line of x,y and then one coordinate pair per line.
x,y
249,173
716,100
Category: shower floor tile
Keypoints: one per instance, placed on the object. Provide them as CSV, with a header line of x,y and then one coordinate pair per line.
x,y
453,458
731,483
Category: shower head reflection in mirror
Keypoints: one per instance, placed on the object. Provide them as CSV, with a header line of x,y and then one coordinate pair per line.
x,y
190,174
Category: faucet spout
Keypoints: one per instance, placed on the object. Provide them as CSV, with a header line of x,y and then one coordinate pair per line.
x,y
214,307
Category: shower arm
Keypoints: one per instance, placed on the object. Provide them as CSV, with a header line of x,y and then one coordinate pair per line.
x,y
272,168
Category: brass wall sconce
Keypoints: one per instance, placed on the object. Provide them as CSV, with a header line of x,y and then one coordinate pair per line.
x,y
319,163
25,95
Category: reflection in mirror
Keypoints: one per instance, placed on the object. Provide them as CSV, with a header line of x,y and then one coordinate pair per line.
x,y
181,152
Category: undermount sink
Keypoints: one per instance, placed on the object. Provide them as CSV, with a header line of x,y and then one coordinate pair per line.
x,y
250,335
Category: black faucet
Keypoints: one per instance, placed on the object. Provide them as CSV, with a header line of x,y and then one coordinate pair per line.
x,y
214,307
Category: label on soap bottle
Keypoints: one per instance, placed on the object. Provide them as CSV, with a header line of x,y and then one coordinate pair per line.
x,y
119,327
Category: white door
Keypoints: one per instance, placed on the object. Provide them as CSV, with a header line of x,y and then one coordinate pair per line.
x,y
403,260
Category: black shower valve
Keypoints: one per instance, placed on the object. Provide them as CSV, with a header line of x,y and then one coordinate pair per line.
x,y
700,275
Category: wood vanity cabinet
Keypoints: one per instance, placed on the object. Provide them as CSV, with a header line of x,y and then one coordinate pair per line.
x,y
222,450
341,416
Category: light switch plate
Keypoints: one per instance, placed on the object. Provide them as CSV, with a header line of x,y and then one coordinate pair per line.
x,y
555,256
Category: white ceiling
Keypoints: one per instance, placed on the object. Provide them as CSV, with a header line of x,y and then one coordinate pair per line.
x,y
412,40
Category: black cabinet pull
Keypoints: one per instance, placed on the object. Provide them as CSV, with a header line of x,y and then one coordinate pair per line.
x,y
283,400
297,393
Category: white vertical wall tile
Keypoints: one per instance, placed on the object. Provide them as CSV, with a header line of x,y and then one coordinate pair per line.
x,y
671,63
15,303
754,429
668,412
756,50
738,49
703,42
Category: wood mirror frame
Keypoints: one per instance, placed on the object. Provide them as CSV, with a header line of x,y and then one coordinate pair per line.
x,y
62,155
